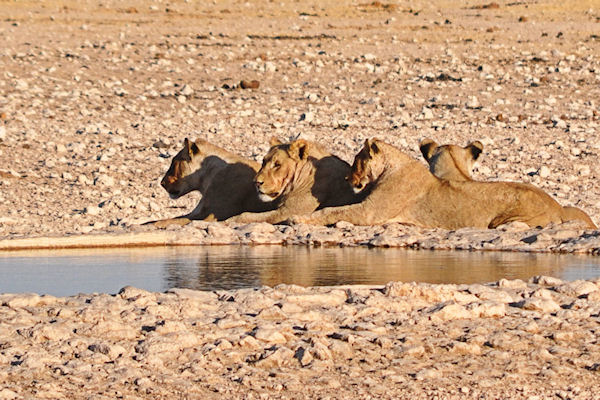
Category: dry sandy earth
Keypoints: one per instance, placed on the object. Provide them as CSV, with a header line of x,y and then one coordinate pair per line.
x,y
96,96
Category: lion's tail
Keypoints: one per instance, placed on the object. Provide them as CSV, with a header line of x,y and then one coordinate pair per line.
x,y
574,213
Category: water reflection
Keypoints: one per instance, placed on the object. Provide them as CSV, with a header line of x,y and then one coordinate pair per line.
x,y
225,267
233,267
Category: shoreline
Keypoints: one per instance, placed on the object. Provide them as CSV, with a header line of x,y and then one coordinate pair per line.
x,y
562,238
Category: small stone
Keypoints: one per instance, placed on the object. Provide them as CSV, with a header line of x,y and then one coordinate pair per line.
x,y
92,210
472,102
426,113
577,288
539,304
546,280
321,352
104,180
249,342
428,373
303,356
249,84
84,180
561,124
544,171
452,311
307,117
186,90
7,394
332,299
2,132
270,335
512,284
487,309
276,359
20,84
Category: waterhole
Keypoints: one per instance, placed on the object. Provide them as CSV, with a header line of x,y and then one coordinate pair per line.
x,y
69,272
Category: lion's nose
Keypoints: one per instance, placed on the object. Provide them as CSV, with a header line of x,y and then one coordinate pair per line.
x,y
359,185
163,183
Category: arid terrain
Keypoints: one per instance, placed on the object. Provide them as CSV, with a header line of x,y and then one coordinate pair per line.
x,y
97,96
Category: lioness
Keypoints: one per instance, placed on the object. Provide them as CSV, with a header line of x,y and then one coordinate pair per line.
x,y
405,191
300,177
450,161
224,179
456,163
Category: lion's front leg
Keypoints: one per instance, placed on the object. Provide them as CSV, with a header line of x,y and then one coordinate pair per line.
x,y
271,217
356,214
163,223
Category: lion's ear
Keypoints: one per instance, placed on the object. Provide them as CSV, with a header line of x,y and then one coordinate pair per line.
x,y
274,141
299,149
371,145
475,148
374,148
194,149
191,147
427,147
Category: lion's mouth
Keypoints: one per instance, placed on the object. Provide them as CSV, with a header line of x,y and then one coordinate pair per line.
x,y
358,187
266,197
175,195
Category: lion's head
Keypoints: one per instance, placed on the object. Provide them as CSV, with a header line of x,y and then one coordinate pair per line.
x,y
278,168
449,161
177,179
367,167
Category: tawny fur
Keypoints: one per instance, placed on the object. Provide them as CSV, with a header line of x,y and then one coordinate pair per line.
x,y
405,191
300,177
452,162
225,180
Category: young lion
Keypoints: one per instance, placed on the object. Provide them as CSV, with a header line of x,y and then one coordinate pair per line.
x,y
453,162
450,161
300,177
405,191
224,179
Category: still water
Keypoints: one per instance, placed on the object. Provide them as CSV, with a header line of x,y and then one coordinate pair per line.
x,y
68,272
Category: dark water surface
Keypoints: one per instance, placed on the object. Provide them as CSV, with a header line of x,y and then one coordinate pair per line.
x,y
68,272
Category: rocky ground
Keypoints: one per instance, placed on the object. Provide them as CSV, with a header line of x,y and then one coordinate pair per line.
x,y
505,340
96,97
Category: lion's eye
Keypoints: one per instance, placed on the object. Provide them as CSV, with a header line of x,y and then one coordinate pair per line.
x,y
276,164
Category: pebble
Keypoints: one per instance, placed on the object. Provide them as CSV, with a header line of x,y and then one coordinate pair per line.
x,y
472,102
104,180
544,172
539,304
92,210
307,117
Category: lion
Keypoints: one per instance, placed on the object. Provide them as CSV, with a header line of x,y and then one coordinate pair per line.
x,y
403,190
224,179
450,161
300,177
456,163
